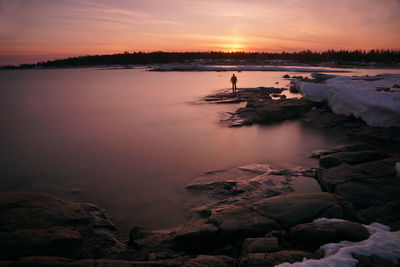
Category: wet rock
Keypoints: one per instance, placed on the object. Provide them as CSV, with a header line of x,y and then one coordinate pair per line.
x,y
351,158
240,222
38,224
269,110
273,259
260,245
217,188
210,261
314,235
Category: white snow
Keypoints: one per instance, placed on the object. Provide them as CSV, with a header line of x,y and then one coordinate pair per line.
x,y
381,243
398,169
201,67
359,96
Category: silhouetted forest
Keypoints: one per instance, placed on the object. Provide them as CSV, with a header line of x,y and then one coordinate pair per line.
x,y
340,57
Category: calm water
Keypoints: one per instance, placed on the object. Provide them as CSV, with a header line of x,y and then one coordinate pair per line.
x,y
129,140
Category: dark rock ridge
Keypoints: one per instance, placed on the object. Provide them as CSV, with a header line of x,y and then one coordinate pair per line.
x,y
38,224
314,235
366,178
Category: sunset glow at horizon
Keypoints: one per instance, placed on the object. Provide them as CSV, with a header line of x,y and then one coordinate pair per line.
x,y
35,30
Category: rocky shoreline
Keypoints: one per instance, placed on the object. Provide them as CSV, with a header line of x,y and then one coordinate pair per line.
x,y
251,215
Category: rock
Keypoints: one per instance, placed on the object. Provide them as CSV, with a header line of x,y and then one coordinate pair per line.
x,y
387,214
238,222
313,235
351,158
286,76
273,259
344,173
370,192
136,233
293,209
217,188
210,261
293,89
200,235
269,110
38,224
260,245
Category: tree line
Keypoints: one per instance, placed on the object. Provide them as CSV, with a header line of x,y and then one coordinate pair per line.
x,y
341,57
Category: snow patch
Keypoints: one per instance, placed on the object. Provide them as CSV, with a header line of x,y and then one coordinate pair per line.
x,y
370,98
381,243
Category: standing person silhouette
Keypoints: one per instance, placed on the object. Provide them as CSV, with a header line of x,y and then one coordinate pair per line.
x,y
234,81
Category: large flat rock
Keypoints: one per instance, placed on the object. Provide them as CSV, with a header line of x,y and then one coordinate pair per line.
x,y
293,209
345,173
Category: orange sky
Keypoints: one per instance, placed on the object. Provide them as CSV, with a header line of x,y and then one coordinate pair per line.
x,y
32,30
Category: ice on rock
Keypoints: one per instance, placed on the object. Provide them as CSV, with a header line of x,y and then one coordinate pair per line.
x,y
381,243
359,96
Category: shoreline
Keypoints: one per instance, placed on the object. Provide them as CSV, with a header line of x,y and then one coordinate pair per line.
x,y
248,220
240,65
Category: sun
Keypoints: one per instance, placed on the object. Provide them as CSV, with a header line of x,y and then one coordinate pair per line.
x,y
233,44
233,48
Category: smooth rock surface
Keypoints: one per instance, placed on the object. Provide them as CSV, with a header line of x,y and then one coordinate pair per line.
x,y
293,209
313,235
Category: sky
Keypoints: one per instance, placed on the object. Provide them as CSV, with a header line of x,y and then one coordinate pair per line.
x,y
35,30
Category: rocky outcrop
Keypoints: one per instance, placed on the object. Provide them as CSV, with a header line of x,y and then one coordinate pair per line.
x,y
264,110
242,95
260,107
225,225
366,178
38,224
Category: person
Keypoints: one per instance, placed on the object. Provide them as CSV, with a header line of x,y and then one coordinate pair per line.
x,y
234,81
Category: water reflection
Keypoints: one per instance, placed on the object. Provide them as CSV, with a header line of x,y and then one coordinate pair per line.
x,y
128,141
